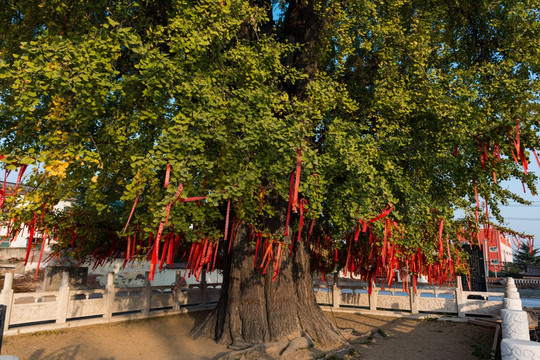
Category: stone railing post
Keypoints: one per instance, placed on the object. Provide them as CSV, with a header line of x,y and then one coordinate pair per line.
x,y
460,297
516,344
336,292
373,298
177,291
7,297
62,299
413,298
110,294
511,298
515,324
147,293
204,289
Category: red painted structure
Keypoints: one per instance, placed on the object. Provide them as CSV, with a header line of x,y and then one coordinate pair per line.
x,y
497,249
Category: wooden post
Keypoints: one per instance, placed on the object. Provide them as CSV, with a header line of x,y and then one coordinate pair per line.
x,y
373,298
62,299
336,293
7,297
147,293
109,296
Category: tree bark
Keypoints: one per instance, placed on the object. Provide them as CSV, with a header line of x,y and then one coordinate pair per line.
x,y
254,309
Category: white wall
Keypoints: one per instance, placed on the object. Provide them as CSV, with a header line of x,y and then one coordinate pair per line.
x,y
21,240
133,274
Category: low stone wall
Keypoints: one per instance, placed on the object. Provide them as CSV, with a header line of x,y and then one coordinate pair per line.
x,y
53,277
12,253
46,310
12,259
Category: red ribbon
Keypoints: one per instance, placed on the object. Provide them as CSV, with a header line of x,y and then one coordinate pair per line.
x,y
167,175
477,201
291,191
303,203
277,261
196,198
31,238
535,156
517,142
131,214
227,220
383,214
524,160
155,252
19,177
440,238
297,180
41,254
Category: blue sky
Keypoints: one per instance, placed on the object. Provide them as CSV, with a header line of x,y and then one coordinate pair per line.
x,y
525,219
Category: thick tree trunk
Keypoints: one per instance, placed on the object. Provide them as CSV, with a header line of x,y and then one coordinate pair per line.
x,y
254,309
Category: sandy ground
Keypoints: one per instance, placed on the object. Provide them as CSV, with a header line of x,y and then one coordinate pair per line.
x,y
408,338
168,338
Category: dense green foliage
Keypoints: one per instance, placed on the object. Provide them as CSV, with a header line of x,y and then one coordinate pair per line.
x,y
403,104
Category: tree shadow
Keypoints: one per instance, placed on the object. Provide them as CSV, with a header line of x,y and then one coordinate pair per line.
x,y
198,317
174,339
407,338
67,353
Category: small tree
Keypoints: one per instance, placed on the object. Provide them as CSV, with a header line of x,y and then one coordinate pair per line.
x,y
524,256
511,270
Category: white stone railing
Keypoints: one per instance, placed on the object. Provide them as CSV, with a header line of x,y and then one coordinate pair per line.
x,y
446,301
28,312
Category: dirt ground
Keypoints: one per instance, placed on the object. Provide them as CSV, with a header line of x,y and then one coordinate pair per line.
x,y
168,338
405,338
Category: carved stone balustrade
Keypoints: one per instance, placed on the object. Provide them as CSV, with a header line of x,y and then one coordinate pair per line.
x,y
515,324
512,304
516,344
516,349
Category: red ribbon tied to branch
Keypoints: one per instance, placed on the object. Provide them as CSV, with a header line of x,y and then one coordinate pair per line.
x,y
167,176
297,180
382,215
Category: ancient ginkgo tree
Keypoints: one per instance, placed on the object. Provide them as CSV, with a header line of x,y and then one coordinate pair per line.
x,y
260,137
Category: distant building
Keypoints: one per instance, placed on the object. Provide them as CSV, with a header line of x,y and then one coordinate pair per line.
x,y
532,271
497,249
